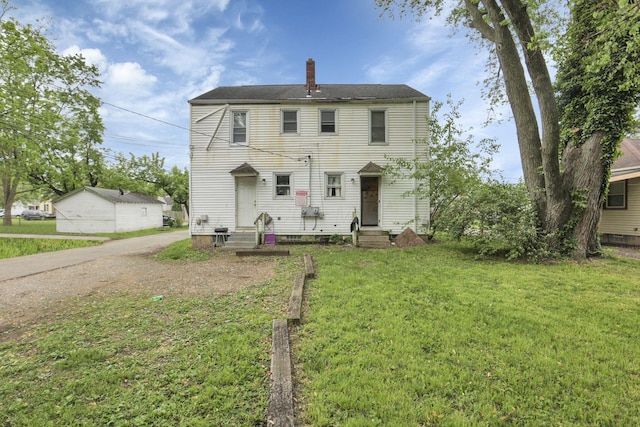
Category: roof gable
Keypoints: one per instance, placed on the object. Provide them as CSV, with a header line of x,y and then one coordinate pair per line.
x,y
113,196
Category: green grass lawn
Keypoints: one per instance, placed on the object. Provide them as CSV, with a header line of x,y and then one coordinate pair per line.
x,y
417,337
21,226
132,360
432,336
11,247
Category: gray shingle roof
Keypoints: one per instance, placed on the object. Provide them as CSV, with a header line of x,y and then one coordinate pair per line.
x,y
630,154
329,92
114,196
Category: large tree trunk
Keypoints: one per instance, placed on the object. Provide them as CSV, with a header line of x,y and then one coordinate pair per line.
x,y
584,172
9,191
517,91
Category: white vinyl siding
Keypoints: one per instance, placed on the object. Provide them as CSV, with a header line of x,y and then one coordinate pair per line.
x,y
270,153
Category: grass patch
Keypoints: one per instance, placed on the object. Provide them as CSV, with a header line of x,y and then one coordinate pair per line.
x,y
21,226
11,247
431,336
129,360
181,251
140,233
46,227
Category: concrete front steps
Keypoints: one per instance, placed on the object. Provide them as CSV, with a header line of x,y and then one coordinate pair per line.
x,y
374,239
240,240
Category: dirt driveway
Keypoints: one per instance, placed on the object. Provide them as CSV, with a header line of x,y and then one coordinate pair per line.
x,y
26,299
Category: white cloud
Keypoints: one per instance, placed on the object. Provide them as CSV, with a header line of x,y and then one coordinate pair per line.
x,y
128,79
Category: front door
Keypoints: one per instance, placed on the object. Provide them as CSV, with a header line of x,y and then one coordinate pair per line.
x,y
245,201
369,200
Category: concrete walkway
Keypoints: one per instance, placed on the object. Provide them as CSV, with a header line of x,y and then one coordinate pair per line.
x,y
13,268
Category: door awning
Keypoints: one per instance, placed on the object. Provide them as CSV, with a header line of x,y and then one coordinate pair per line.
x,y
371,169
244,169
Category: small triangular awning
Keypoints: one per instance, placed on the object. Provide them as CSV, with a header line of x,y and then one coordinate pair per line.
x,y
371,169
244,169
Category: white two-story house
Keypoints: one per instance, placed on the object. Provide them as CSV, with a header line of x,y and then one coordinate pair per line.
x,y
310,156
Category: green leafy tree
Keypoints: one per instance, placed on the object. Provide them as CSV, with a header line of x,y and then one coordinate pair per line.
x,y
147,174
499,219
49,121
568,142
455,164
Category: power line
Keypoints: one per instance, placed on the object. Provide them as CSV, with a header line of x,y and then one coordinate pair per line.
x,y
197,132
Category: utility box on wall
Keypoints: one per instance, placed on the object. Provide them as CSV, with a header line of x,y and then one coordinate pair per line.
x,y
311,211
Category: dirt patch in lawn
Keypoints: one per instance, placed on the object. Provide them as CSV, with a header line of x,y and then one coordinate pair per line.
x,y
36,298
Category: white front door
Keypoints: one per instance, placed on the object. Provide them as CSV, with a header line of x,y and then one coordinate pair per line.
x,y
245,201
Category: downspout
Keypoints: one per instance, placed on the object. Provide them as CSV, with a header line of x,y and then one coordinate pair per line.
x,y
309,199
304,218
415,179
428,150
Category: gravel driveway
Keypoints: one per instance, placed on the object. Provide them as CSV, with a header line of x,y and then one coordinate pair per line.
x,y
34,287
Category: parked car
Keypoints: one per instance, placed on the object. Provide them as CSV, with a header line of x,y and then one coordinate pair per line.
x,y
168,221
30,214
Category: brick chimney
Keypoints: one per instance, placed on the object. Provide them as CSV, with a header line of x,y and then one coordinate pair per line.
x,y
311,75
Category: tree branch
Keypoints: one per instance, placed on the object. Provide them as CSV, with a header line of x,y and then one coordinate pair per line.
x,y
478,22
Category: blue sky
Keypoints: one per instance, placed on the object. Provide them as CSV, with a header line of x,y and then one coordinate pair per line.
x,y
155,55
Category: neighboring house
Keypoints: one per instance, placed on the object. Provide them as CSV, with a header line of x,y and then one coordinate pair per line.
x,y
44,206
620,219
310,156
99,210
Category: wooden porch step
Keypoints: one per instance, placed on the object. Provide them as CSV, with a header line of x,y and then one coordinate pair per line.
x,y
374,241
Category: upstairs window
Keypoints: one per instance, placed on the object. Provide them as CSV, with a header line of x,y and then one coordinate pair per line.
x,y
617,196
378,127
283,185
334,185
289,121
239,132
327,121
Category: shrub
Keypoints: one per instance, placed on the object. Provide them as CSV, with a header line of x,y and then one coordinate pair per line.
x,y
498,219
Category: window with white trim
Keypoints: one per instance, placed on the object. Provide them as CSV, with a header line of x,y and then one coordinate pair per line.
x,y
289,121
282,185
617,196
378,126
327,121
333,184
239,127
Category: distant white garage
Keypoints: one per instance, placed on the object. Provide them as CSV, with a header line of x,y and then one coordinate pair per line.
x,y
100,210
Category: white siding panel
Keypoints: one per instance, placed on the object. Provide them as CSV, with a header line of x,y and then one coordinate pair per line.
x,y
137,216
213,187
84,212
